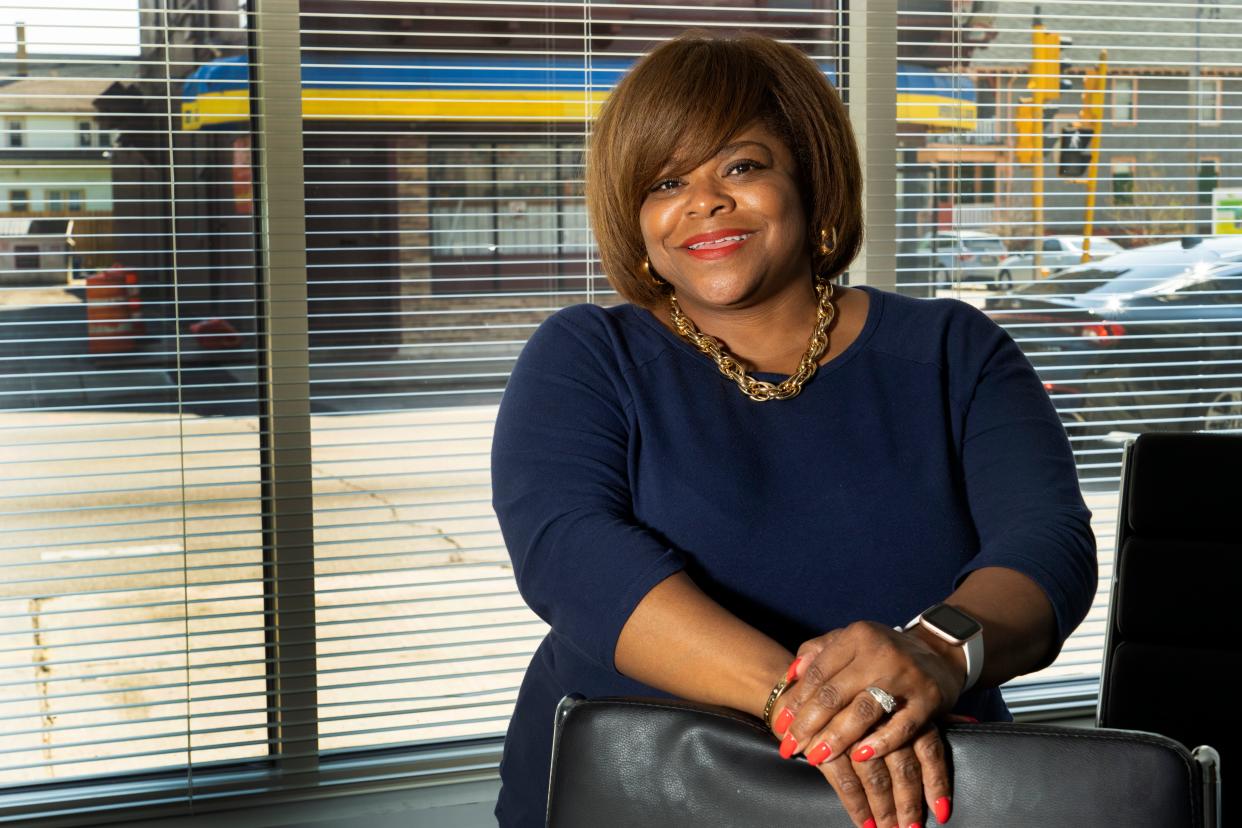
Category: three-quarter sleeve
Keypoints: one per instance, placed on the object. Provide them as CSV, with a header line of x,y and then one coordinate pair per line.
x,y
1019,475
561,489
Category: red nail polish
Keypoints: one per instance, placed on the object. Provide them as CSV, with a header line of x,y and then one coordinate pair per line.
x,y
792,673
915,825
788,745
944,807
819,753
863,754
870,823
783,722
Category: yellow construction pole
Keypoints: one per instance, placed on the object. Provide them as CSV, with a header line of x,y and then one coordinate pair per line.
x,y
1094,86
1044,84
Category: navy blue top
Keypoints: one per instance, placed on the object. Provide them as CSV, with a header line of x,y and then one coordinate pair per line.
x,y
926,450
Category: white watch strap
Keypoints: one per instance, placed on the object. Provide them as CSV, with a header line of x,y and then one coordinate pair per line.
x,y
973,648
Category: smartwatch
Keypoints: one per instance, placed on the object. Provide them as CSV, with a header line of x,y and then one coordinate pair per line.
x,y
959,629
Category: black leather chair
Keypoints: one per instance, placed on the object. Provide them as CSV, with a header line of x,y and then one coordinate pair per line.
x,y
1173,634
621,763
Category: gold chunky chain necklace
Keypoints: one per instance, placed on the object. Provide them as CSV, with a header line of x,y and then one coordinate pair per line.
x,y
759,390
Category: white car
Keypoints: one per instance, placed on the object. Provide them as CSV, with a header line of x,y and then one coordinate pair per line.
x,y
1055,254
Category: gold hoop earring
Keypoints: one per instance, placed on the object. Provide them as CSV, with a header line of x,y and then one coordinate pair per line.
x,y
650,274
826,249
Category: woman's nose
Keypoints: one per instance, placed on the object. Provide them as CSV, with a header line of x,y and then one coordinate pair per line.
x,y
708,196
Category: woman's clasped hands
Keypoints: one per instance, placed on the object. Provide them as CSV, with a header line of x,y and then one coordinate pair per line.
x,y
882,766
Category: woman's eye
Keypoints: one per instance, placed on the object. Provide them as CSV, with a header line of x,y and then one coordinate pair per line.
x,y
751,165
659,187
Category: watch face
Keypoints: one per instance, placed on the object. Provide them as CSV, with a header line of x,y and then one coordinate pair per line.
x,y
955,622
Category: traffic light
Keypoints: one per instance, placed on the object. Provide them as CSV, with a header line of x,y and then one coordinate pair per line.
x,y
1094,88
1029,120
1075,152
1045,80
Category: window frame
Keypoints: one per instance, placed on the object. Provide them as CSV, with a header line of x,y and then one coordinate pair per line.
x,y
1217,92
1114,106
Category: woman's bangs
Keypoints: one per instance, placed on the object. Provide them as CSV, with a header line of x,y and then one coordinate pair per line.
x,y
693,116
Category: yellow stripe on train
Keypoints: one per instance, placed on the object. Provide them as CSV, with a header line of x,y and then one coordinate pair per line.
x,y
496,105
408,105
936,111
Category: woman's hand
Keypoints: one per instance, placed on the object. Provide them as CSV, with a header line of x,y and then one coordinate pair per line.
x,y
881,766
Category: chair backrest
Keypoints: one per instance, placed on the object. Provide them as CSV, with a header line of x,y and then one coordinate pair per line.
x,y
1174,633
657,763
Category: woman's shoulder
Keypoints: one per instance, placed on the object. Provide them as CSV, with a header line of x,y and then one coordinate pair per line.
x,y
615,336
931,329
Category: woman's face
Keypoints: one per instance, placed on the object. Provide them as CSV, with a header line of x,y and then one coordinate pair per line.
x,y
691,223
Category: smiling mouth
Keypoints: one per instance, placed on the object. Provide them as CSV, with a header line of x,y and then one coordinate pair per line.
x,y
723,242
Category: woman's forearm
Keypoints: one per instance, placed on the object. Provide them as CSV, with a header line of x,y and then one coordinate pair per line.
x,y
681,641
1019,628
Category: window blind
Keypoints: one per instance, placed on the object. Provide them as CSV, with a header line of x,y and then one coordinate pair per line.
x,y
1074,179
265,270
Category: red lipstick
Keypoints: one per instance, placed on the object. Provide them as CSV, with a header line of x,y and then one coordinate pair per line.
x,y
717,244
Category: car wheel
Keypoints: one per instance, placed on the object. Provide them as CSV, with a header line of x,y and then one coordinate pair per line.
x,y
1224,411
1004,279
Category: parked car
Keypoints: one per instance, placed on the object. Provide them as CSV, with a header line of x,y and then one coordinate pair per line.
x,y
1055,254
1149,339
960,256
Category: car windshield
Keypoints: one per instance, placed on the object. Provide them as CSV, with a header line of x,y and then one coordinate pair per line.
x,y
984,245
1129,272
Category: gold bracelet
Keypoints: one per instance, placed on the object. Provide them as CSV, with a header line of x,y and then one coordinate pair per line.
x,y
780,688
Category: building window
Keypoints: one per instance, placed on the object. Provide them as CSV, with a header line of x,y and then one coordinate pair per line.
x,y
26,257
1125,100
17,133
84,133
19,201
500,208
1207,100
59,201
1123,182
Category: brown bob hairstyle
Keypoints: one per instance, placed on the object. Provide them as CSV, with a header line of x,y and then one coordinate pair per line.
x,y
680,104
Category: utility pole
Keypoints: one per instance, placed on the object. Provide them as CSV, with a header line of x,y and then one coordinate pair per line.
x,y
1044,86
1094,86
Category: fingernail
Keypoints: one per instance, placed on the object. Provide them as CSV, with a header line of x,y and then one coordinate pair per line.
x,y
819,753
792,673
863,753
944,807
870,823
788,745
783,722
915,825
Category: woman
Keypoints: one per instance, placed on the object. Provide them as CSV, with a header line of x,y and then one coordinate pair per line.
x,y
686,512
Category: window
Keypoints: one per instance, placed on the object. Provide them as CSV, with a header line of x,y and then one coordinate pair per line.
x,y
215,574
1124,100
1123,182
65,200
26,257
1052,246
1207,100
504,209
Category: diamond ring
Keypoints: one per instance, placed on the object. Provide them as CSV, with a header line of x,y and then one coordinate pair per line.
x,y
883,698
